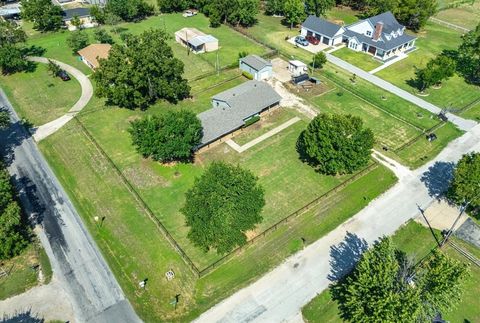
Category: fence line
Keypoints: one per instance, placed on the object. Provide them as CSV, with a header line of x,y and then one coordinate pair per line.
x,y
289,217
465,253
139,200
449,25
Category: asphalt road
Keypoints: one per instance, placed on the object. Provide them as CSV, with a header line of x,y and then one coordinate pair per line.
x,y
76,260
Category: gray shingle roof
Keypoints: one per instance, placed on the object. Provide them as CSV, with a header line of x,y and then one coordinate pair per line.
x,y
389,21
386,46
244,101
255,62
321,26
68,14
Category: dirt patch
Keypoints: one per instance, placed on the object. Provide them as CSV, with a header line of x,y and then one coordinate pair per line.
x,y
144,177
251,234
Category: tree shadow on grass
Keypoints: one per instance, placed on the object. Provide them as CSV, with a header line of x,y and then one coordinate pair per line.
x,y
10,138
437,179
345,255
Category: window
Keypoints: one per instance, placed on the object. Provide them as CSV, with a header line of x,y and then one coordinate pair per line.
x,y
369,33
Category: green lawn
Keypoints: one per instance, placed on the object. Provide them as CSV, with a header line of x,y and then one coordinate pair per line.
x,y
467,15
472,113
360,59
230,42
39,97
417,242
435,38
21,275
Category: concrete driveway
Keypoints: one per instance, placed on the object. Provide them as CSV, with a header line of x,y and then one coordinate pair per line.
x,y
311,48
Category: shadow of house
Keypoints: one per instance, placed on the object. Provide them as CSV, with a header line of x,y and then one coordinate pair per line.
x,y
345,255
21,317
437,179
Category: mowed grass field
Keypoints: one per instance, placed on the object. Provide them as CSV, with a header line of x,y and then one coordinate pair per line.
x,y
466,15
417,242
230,43
455,92
39,97
360,59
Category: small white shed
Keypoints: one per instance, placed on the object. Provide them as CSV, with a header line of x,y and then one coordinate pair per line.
x,y
297,68
256,66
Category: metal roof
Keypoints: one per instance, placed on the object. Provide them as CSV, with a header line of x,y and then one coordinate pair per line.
x,y
244,101
255,62
10,10
200,40
321,26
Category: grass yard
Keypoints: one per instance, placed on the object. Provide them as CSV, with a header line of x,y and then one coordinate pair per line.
x,y
466,15
473,112
360,59
230,42
416,241
21,275
431,41
36,95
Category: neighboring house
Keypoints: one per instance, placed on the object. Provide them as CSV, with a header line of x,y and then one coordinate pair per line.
x,y
10,10
382,35
82,13
197,41
256,66
326,32
232,108
92,53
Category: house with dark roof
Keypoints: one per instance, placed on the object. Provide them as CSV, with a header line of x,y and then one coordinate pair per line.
x,y
326,32
232,108
82,13
259,68
382,35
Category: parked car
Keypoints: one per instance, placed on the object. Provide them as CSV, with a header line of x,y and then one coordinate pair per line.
x,y
63,75
190,13
300,40
313,40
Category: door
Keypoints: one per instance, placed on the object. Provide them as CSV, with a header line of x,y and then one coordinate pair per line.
x,y
326,40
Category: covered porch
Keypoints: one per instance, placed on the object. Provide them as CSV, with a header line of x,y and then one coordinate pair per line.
x,y
383,54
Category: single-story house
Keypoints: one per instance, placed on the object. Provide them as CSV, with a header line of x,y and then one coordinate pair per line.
x,y
326,32
382,35
92,53
256,66
82,13
232,108
10,10
197,41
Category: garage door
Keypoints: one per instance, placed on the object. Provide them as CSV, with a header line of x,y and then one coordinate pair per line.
x,y
326,40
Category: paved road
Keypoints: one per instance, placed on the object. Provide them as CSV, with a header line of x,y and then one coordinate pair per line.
x,y
76,261
279,295
49,128
461,123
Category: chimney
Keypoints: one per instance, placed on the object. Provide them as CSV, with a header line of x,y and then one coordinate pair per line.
x,y
378,30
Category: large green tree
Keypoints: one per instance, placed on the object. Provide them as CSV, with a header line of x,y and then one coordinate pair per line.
x,y
130,10
172,136
465,185
468,59
43,13
172,5
414,14
294,11
437,70
336,143
319,7
12,233
103,37
77,40
12,58
223,204
11,34
386,287
140,72
235,12
274,7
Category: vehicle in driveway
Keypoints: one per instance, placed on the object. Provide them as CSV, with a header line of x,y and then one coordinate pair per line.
x,y
300,40
312,40
189,13
63,75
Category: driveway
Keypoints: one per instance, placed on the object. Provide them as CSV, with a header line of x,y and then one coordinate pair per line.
x,y
279,295
461,123
75,258
310,48
49,128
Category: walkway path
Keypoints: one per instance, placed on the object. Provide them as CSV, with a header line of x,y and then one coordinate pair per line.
x,y
461,123
261,138
399,57
49,128
279,295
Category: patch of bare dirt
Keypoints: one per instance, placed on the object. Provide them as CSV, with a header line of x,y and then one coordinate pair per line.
x,y
144,177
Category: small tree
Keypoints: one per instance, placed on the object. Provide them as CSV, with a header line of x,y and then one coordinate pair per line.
x,y
336,144
294,11
319,59
4,118
465,185
103,37
76,22
224,203
425,77
98,14
53,68
77,40
171,136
